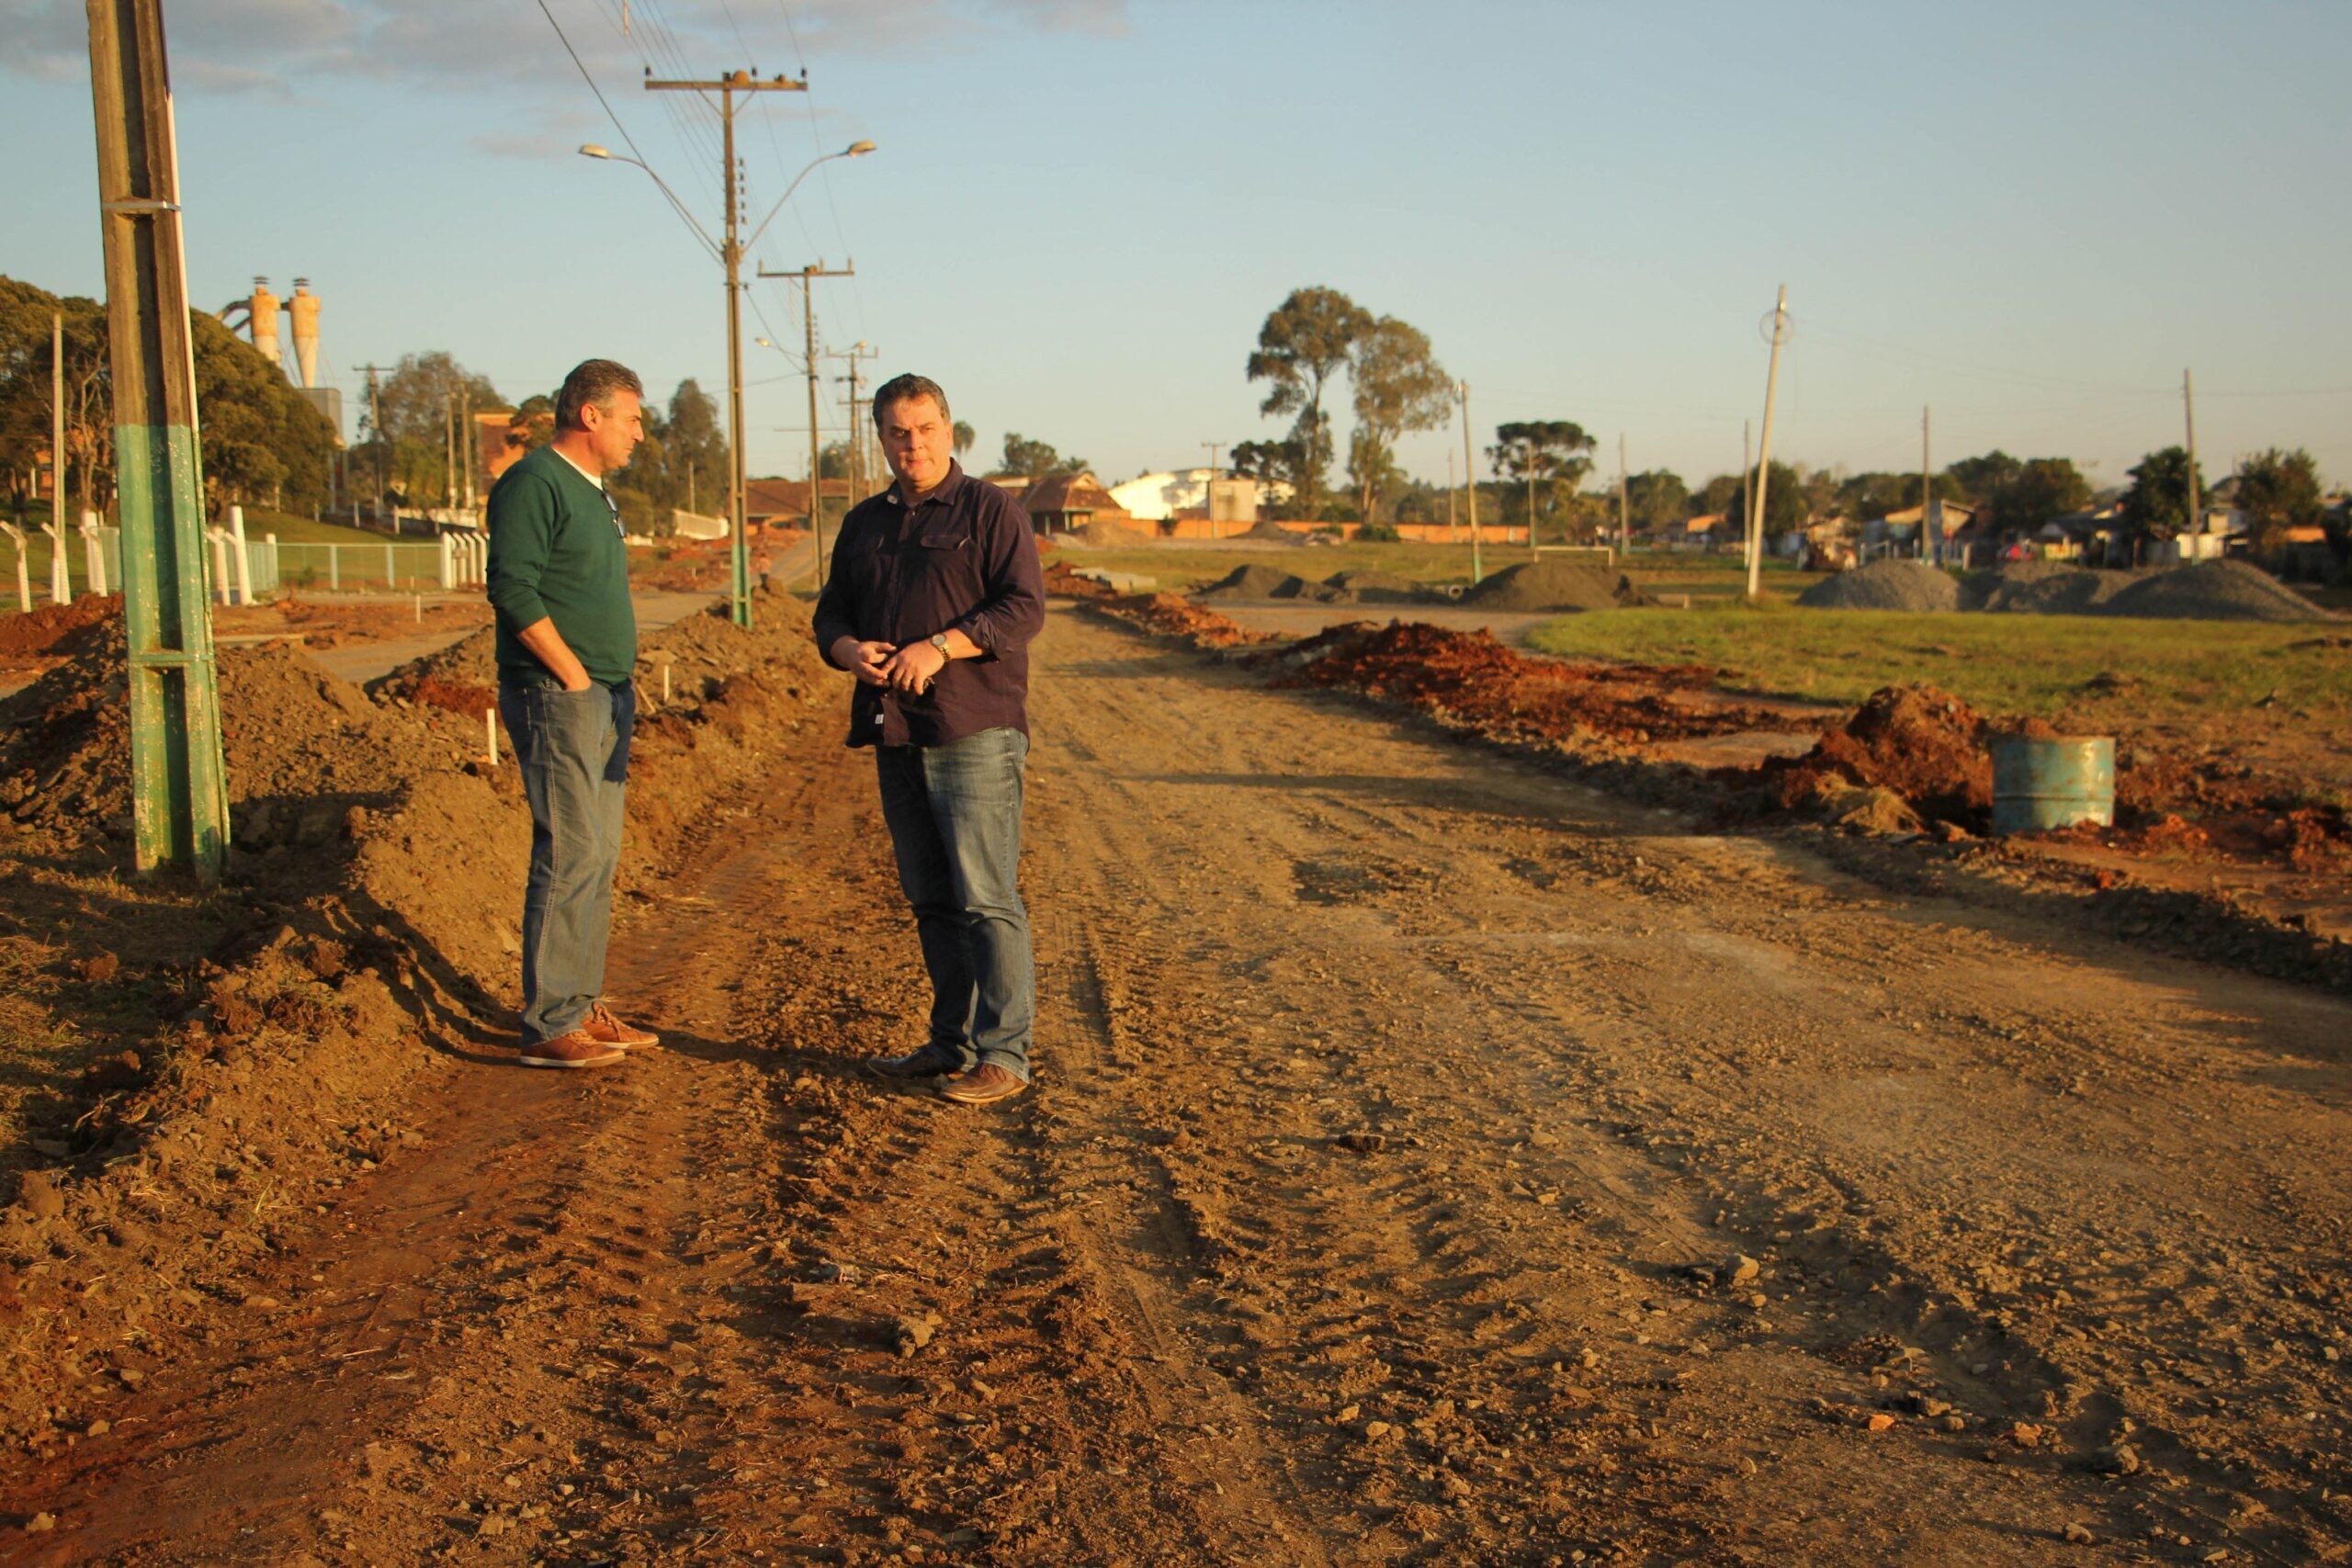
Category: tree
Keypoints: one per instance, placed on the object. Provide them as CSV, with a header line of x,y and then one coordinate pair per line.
x,y
2157,506
424,392
1785,509
262,439
2045,488
1981,480
1655,500
694,450
25,316
1399,386
1035,459
1720,497
1547,456
966,439
1303,343
2279,491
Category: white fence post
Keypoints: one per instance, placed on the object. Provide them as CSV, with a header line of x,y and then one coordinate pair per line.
x,y
244,566
24,571
334,569
270,543
94,554
448,565
392,579
219,538
61,581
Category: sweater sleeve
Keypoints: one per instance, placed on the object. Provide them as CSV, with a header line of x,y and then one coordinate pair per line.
x,y
522,537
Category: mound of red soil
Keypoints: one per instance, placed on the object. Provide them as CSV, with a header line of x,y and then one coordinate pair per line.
x,y
1922,744
1177,616
39,631
1470,678
1061,579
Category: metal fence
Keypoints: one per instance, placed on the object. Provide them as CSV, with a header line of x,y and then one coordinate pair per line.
x,y
337,567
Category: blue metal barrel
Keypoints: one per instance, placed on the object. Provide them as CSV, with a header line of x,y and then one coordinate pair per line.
x,y
2052,783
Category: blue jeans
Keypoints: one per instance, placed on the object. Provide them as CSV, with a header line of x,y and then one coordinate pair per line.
x,y
573,747
954,817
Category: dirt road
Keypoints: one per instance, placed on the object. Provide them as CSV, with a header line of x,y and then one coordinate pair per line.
x,y
1430,1162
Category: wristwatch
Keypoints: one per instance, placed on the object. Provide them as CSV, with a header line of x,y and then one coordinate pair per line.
x,y
939,641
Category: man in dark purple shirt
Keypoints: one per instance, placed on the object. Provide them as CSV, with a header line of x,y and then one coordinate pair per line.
x,y
934,594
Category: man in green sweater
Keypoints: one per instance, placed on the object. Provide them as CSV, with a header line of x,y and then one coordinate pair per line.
x,y
567,644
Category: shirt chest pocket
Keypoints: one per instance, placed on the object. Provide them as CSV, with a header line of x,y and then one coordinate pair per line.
x,y
942,540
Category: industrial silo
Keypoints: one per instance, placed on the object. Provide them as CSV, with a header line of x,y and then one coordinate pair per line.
x,y
264,321
305,307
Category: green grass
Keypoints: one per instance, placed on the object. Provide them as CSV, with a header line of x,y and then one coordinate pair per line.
x,y
2001,664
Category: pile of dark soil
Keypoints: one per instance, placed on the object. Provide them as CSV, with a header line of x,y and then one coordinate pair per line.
x,y
1554,585
1267,531
1254,583
38,631
2213,591
1907,585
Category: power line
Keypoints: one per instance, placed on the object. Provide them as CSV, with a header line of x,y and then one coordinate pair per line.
x,y
626,139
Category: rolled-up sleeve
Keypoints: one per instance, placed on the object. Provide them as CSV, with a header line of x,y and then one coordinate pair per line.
x,y
1014,610
522,535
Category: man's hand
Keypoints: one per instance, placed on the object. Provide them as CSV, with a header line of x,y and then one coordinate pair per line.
x,y
867,661
914,666
546,645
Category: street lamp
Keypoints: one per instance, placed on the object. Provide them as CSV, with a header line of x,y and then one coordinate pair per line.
x,y
731,255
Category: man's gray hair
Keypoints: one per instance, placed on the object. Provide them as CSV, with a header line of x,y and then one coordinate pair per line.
x,y
901,388
592,381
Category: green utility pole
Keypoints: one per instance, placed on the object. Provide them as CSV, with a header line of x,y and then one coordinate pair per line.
x,y
178,788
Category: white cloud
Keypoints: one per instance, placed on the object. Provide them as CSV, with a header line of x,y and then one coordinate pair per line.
x,y
280,46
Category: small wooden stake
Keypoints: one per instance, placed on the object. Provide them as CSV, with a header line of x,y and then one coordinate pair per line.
x,y
490,731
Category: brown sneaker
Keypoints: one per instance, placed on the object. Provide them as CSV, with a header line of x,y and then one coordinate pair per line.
x,y
577,1049
984,1085
603,1027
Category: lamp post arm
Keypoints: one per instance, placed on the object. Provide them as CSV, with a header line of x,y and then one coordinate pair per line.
x,y
787,197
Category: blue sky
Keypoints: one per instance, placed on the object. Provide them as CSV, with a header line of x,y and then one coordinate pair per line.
x,y
2030,217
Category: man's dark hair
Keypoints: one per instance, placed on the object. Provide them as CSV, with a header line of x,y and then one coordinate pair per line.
x,y
592,381
900,389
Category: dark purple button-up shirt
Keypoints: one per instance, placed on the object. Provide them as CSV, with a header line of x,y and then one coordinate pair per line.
x,y
961,559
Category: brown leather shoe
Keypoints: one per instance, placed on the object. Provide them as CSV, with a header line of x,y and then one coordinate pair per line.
x,y
577,1049
604,1027
984,1085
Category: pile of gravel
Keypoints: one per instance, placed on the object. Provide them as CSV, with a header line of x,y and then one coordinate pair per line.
x,y
1254,583
1908,585
2212,591
2043,588
1374,587
1554,585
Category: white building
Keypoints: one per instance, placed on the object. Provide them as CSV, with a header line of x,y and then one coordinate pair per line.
x,y
1156,497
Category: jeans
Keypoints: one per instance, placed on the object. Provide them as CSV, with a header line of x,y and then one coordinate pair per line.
x,y
573,747
954,817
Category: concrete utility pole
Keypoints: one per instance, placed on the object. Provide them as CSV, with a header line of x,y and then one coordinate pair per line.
x,y
1624,529
1764,456
1470,483
57,425
808,276
1927,496
1449,498
1747,467
2188,407
854,353
179,807
731,254
376,431
1208,487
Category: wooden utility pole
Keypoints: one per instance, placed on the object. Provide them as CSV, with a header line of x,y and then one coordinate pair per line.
x,y
731,254
2188,407
179,804
1470,483
1208,487
1449,498
1764,454
808,276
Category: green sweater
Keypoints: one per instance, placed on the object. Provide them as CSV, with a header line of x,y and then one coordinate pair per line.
x,y
556,553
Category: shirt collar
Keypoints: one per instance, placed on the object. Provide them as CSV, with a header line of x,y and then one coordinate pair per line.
x,y
946,493
576,468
